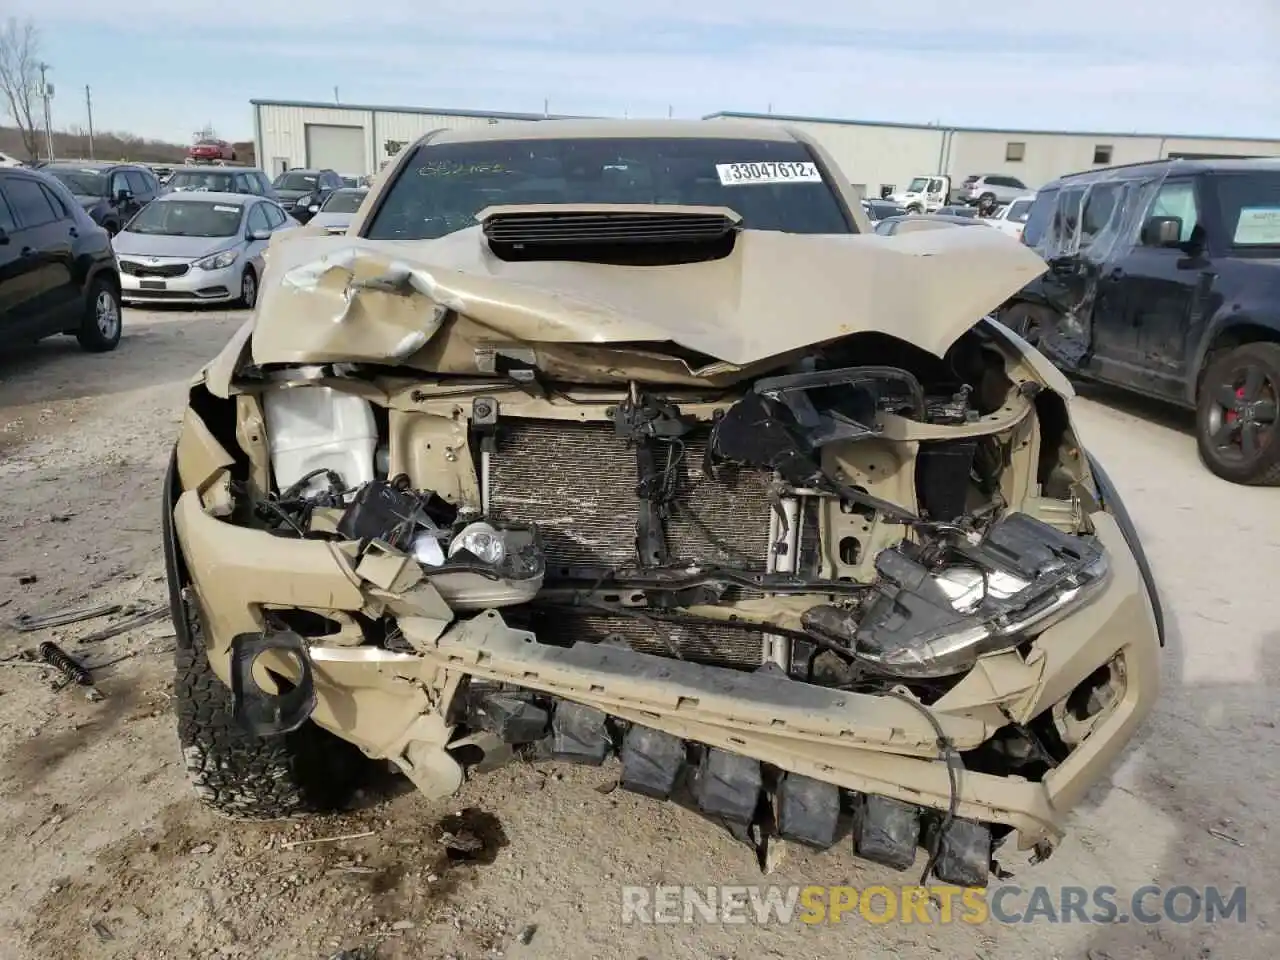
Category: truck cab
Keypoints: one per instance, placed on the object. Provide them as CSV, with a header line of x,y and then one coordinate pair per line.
x,y
924,194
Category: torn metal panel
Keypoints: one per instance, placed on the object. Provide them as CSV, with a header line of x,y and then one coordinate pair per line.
x,y
1091,223
330,299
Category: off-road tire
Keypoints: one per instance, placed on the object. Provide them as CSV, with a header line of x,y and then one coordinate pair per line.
x,y
247,777
1264,469
102,321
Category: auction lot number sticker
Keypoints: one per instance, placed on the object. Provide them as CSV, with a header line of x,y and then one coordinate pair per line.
x,y
769,171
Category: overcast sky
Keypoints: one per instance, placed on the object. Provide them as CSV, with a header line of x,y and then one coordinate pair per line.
x,y
166,67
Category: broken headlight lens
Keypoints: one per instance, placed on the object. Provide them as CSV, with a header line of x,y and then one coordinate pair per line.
x,y
942,623
481,541
490,567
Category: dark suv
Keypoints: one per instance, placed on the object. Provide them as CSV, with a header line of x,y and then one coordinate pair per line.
x,y
1164,278
111,193
219,180
303,192
57,272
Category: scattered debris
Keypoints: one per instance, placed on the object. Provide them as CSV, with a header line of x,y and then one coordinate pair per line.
x,y
335,871
60,517
124,626
290,844
1218,834
55,818
72,669
526,934
129,655
26,579
101,930
200,849
607,788
403,925
28,622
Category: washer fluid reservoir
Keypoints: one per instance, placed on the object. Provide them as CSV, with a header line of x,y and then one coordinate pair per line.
x,y
312,427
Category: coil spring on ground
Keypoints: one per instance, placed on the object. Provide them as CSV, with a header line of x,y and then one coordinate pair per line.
x,y
54,655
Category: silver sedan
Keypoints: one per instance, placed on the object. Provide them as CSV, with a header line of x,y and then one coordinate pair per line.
x,y
197,248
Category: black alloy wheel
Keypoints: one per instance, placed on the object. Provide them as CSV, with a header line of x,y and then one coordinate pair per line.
x,y
1238,415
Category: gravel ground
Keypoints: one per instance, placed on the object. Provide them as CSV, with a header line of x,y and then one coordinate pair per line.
x,y
110,856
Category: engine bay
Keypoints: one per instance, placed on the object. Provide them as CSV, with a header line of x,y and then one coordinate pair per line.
x,y
855,525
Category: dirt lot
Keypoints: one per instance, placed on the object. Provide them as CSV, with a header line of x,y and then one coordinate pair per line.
x,y
109,855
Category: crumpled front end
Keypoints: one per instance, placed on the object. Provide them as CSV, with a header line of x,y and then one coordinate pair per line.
x,y
865,586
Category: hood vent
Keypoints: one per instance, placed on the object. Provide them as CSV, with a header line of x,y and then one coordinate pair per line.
x,y
611,237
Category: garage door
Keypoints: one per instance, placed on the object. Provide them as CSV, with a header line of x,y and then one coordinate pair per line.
x,y
336,148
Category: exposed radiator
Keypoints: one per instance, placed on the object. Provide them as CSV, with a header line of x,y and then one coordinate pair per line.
x,y
577,482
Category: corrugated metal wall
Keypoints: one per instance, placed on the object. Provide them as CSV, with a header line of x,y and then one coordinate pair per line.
x,y
1045,156
281,137
281,132
876,154
871,155
407,127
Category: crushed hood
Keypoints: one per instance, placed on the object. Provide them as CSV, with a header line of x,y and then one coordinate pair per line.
x,y
436,305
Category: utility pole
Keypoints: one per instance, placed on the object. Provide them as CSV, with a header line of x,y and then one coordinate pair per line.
x,y
88,104
335,95
46,94
546,108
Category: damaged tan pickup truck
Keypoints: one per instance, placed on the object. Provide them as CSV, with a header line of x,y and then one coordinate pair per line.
x,y
629,443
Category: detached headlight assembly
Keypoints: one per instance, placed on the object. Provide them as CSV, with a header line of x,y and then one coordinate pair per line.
x,y
218,261
927,622
488,566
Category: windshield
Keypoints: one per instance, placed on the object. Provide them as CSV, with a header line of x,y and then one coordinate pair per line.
x,y
296,181
187,218
772,185
918,185
83,183
207,182
1019,210
344,201
1250,206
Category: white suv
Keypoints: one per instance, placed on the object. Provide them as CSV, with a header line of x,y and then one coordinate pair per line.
x,y
994,187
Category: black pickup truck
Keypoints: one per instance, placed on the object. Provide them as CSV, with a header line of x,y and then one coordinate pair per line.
x,y
1164,279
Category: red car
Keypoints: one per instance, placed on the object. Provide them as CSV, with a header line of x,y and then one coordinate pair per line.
x,y
211,150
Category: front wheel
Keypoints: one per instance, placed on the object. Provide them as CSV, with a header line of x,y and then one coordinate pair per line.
x,y
245,776
101,324
1237,422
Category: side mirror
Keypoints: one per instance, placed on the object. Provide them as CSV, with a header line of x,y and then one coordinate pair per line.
x,y
123,196
1162,232
4,237
259,234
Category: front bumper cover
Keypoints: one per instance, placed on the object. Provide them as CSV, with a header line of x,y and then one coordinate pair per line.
x,y
394,704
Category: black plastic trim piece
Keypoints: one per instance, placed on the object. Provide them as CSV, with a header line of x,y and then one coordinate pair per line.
x,y
175,565
1110,499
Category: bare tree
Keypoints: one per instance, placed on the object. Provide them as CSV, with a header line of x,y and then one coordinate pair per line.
x,y
20,78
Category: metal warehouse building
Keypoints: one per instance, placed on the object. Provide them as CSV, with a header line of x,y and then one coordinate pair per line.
x,y
877,155
351,139
357,139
